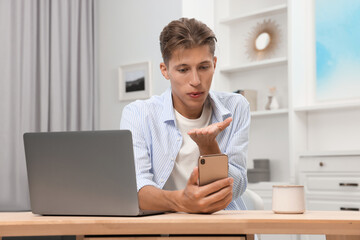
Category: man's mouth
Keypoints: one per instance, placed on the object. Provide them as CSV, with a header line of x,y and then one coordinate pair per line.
x,y
195,94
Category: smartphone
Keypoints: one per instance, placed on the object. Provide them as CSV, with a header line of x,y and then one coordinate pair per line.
x,y
212,168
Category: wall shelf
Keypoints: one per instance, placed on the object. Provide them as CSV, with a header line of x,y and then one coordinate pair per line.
x,y
329,106
261,13
269,112
254,65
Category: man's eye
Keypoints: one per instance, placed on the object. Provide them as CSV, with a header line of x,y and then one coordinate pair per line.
x,y
204,67
183,70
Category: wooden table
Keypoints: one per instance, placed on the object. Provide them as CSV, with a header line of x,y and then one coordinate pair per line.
x,y
229,224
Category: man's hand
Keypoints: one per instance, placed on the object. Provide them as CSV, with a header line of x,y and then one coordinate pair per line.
x,y
193,199
205,137
205,199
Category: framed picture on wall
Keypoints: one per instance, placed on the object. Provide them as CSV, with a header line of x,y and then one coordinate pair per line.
x,y
134,81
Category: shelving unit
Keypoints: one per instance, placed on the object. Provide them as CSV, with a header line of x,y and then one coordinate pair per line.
x,y
259,13
269,133
269,112
254,65
303,130
329,106
237,71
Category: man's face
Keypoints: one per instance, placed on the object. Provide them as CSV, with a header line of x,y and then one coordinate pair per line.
x,y
190,72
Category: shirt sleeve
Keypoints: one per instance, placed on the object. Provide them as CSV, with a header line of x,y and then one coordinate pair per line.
x,y
237,148
133,119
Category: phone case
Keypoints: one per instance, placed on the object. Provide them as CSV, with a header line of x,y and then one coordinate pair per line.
x,y
212,168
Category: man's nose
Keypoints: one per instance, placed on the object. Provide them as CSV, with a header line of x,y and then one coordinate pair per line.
x,y
195,79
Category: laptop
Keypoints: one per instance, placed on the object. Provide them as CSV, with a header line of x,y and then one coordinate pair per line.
x,y
82,173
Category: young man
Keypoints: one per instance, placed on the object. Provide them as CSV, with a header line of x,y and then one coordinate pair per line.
x,y
171,131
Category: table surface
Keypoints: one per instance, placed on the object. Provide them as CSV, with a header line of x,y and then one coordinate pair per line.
x,y
223,222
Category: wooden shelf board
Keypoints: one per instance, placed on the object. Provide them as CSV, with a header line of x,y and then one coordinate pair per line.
x,y
260,13
254,65
269,112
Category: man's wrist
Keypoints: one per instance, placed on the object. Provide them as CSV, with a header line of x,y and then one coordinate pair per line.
x,y
210,149
173,200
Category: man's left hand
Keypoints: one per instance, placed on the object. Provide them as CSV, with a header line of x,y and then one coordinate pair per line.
x,y
205,137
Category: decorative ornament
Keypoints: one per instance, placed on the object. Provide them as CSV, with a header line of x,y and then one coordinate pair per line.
x,y
272,103
263,40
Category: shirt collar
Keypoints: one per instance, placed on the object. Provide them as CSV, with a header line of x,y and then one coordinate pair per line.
x,y
168,109
219,111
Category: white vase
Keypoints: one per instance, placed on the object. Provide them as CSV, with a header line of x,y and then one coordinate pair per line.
x,y
267,106
274,103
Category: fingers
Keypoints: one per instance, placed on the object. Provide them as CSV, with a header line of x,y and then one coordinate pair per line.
x,y
191,132
216,186
217,201
224,124
206,199
203,131
211,129
222,203
206,131
194,177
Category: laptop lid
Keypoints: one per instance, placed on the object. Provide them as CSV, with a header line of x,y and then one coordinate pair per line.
x,y
82,173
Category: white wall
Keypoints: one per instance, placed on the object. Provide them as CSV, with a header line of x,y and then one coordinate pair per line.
x,y
128,32
202,10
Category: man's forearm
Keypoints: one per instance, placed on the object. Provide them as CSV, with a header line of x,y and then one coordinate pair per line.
x,y
152,198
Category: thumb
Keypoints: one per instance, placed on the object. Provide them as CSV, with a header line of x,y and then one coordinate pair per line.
x,y
227,121
193,180
224,124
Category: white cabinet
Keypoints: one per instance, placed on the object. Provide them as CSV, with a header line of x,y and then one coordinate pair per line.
x,y
332,182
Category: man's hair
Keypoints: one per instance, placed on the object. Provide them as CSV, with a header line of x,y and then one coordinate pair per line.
x,y
185,33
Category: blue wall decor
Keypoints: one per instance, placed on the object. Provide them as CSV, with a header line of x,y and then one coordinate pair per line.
x,y
337,33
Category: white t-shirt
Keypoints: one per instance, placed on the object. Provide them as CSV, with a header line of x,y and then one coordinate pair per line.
x,y
189,152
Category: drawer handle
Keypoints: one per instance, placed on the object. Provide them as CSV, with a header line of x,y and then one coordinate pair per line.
x,y
349,209
348,184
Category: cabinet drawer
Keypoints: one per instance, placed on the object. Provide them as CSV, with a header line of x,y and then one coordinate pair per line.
x,y
326,205
172,238
330,164
339,183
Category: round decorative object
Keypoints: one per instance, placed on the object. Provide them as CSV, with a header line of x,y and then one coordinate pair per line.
x,y
263,40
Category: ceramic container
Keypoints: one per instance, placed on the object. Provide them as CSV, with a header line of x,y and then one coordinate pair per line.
x,y
288,199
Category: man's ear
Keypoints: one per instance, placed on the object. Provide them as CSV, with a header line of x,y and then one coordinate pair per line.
x,y
215,60
164,70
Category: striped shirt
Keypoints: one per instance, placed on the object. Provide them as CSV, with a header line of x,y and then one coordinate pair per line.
x,y
157,139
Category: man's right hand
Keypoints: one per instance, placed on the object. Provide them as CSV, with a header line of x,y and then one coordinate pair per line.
x,y
193,199
204,199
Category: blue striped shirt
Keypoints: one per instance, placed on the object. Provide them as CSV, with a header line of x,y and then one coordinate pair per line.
x,y
157,139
